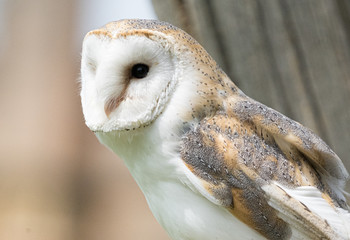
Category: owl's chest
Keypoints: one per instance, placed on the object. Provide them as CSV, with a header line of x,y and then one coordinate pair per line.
x,y
182,211
186,214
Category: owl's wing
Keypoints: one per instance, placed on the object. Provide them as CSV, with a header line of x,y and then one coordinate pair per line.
x,y
290,135
243,160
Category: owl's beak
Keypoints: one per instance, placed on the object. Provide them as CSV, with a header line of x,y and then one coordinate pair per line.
x,y
114,102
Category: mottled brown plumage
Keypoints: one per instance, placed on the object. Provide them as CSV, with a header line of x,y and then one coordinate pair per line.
x,y
235,153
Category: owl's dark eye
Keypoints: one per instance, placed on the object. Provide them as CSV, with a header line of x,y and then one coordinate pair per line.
x,y
139,70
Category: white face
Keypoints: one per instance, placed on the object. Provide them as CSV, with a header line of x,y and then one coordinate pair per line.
x,y
125,81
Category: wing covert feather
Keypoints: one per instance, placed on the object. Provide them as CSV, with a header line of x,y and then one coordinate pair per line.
x,y
293,134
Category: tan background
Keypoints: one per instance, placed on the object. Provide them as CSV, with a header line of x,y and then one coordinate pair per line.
x,y
58,182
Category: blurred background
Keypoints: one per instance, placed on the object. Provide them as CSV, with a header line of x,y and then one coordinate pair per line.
x,y
58,182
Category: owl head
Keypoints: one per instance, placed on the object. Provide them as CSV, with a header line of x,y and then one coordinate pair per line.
x,y
131,69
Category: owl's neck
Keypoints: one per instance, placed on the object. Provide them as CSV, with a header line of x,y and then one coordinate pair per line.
x,y
150,155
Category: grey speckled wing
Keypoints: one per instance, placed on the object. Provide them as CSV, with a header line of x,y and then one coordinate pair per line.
x,y
294,134
237,152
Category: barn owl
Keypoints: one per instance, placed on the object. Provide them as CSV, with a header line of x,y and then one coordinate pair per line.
x,y
211,162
